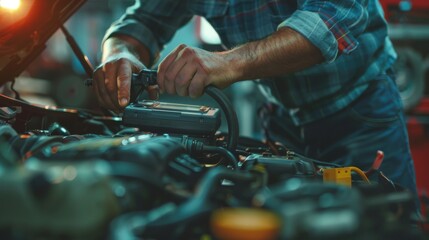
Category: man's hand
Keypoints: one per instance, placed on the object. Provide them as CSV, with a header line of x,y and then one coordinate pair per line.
x,y
186,71
112,79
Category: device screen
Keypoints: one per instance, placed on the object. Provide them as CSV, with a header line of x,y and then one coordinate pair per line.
x,y
174,106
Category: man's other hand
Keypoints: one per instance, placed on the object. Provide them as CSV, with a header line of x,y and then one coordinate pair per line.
x,y
186,71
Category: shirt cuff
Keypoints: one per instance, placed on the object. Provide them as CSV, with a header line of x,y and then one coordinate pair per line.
x,y
312,27
135,30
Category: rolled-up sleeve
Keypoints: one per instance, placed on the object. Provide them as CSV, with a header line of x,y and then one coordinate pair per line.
x,y
332,26
152,23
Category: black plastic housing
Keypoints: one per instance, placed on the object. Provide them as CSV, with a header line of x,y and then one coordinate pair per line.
x,y
162,117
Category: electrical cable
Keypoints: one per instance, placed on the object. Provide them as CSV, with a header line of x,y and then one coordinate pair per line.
x,y
360,172
230,115
194,146
224,152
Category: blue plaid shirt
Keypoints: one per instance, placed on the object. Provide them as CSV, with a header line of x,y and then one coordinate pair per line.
x,y
352,36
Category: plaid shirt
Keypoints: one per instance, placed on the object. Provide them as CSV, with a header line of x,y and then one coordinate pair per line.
x,y
351,34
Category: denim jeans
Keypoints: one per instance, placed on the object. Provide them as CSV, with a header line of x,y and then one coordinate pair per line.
x,y
351,137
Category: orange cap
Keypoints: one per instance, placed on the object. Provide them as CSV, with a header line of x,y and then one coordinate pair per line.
x,y
245,223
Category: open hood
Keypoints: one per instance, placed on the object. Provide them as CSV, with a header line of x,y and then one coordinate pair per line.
x,y
25,26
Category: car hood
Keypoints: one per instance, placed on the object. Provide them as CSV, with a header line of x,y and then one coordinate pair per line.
x,y
25,30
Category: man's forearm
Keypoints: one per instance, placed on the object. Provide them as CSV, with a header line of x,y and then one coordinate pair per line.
x,y
283,52
123,43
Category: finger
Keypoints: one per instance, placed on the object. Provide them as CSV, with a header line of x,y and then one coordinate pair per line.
x,y
97,77
172,72
153,92
164,65
108,103
197,85
183,79
102,92
110,70
123,80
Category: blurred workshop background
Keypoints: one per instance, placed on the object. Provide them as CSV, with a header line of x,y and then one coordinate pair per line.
x,y
56,77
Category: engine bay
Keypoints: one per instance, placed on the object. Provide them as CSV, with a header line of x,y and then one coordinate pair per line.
x,y
69,174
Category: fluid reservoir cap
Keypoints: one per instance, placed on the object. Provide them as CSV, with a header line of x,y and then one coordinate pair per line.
x,y
245,223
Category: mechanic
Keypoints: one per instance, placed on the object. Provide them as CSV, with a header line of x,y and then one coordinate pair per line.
x,y
325,68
